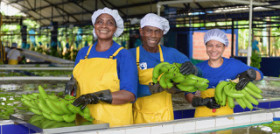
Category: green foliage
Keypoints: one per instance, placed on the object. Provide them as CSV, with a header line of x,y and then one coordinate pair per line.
x,y
256,60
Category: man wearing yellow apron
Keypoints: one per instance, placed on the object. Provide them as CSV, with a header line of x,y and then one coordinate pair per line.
x,y
153,106
105,73
13,55
216,69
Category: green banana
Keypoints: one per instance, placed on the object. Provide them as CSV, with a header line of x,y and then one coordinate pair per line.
x,y
165,68
73,108
186,88
230,102
57,117
53,107
241,102
254,88
230,91
258,96
178,78
156,70
69,117
250,98
247,103
224,98
188,82
35,111
162,81
42,92
43,107
63,107
47,116
219,89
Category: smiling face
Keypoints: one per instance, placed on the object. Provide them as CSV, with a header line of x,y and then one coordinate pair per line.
x,y
215,49
105,26
150,36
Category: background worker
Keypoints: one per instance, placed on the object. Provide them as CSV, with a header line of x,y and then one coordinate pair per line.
x,y
13,55
216,69
155,106
105,73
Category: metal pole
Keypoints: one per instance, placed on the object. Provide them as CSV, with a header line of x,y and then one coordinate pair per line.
x,y
158,9
249,51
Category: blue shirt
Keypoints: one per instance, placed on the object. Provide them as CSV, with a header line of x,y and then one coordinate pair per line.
x,y
228,70
126,65
150,60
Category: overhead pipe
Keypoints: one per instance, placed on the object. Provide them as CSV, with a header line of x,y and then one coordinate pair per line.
x,y
190,1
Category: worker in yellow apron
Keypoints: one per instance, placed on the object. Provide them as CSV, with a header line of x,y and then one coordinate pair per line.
x,y
13,55
105,80
216,69
153,103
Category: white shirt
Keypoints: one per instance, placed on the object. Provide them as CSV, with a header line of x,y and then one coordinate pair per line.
x,y
13,54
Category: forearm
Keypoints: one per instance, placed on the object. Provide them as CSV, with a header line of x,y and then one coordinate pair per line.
x,y
258,75
189,97
122,97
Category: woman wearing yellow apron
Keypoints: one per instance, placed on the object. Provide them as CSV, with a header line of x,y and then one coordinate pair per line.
x,y
154,107
105,73
216,69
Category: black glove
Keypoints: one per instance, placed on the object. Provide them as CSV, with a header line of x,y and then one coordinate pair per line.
x,y
188,68
93,98
156,88
245,78
71,86
208,102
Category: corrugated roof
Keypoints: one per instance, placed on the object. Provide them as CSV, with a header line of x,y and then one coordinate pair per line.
x,y
80,11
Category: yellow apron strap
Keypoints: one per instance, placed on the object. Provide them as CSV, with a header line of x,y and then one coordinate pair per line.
x,y
160,53
116,53
137,56
88,51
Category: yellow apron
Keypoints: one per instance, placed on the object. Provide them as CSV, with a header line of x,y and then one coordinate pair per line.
x,y
203,111
156,107
96,74
13,62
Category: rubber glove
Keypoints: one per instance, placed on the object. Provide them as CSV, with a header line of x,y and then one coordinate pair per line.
x,y
209,102
71,86
245,77
188,68
93,98
156,88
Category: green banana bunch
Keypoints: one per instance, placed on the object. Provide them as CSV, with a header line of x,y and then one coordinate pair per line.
x,y
54,108
42,122
168,76
226,92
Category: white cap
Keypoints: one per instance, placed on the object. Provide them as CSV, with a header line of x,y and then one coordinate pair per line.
x,y
216,34
14,44
114,14
154,20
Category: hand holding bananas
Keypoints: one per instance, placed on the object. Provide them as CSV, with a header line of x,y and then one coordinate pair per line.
x,y
93,98
54,108
188,68
169,76
227,92
245,78
71,86
209,102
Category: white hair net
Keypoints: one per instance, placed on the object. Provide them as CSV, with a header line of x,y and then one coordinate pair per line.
x,y
216,34
114,14
154,20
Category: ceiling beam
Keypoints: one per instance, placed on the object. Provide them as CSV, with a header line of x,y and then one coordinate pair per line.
x,y
54,5
115,7
43,7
